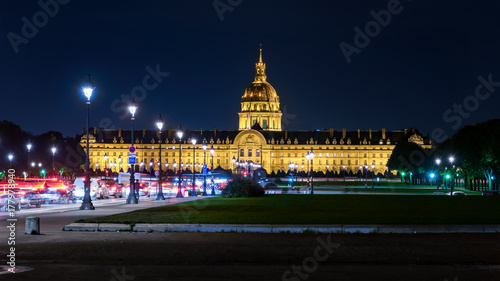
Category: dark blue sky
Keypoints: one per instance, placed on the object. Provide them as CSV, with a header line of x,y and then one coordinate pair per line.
x,y
426,59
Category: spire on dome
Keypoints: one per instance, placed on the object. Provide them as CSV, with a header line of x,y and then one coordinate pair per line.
x,y
260,58
260,67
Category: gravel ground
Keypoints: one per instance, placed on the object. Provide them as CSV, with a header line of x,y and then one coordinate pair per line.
x,y
123,256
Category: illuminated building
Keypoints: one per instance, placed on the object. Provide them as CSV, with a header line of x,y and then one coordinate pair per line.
x,y
260,140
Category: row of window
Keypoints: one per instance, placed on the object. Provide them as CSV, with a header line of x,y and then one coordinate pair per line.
x,y
342,162
334,155
250,154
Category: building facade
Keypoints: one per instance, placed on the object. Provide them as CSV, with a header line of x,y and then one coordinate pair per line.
x,y
259,140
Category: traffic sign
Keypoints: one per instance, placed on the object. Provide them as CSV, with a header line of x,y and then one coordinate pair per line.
x,y
131,160
132,154
157,173
204,169
131,149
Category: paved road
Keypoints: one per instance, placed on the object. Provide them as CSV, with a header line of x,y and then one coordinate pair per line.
x,y
64,255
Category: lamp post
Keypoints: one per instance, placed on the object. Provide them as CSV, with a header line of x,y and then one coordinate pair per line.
x,y
105,166
366,174
10,157
132,199
432,175
327,168
179,135
451,159
28,146
159,125
53,149
343,171
87,202
193,192
308,158
312,171
438,162
212,151
204,168
373,172
234,162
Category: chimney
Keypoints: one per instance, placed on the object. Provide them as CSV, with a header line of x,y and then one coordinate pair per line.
x,y
406,131
169,132
331,132
359,133
286,134
95,130
119,132
370,133
215,132
143,132
383,133
344,133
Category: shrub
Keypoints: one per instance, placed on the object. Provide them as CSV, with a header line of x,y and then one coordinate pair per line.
x,y
243,188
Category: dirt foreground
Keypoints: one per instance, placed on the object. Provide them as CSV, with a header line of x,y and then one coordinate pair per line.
x,y
242,256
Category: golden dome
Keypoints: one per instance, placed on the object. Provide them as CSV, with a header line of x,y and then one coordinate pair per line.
x,y
260,89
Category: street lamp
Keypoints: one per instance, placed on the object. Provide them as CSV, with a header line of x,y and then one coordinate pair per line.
x,y
87,202
204,168
105,160
193,192
10,157
343,171
327,168
451,159
366,174
212,151
28,146
373,172
179,135
311,155
159,125
132,199
53,149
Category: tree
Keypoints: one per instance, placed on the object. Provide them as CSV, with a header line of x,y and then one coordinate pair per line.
x,y
476,150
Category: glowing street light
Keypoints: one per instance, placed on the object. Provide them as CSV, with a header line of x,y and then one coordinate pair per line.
x,y
87,202
159,125
10,157
193,192
53,149
204,146
28,146
179,135
212,151
132,199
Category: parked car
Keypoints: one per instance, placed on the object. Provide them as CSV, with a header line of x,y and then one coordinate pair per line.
x,y
79,191
102,192
116,190
15,201
143,189
31,198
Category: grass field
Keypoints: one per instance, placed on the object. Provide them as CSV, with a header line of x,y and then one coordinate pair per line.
x,y
322,209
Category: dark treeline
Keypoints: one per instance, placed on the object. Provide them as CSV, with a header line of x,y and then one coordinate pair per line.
x,y
470,158
68,158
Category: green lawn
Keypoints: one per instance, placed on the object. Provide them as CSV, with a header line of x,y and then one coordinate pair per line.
x,y
322,209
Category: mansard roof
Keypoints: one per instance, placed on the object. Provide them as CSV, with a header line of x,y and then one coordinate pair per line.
x,y
315,137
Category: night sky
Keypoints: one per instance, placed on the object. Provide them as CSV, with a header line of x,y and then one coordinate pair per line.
x,y
426,59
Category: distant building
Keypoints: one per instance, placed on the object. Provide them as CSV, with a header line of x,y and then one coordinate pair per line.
x,y
259,140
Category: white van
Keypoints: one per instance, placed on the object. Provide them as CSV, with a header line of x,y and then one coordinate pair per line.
x,y
80,187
